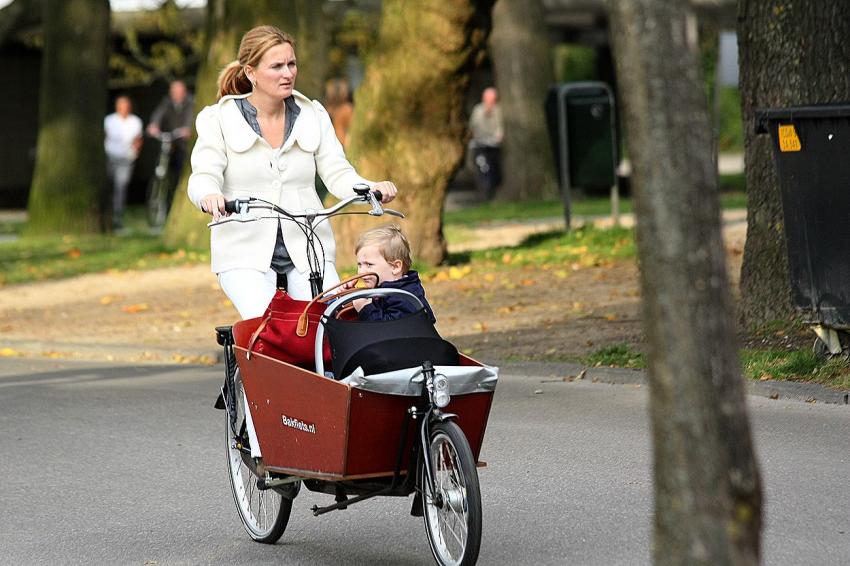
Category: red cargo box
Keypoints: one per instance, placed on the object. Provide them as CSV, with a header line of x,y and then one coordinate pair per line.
x,y
312,426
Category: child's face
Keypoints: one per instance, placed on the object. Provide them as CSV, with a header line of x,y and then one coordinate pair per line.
x,y
369,258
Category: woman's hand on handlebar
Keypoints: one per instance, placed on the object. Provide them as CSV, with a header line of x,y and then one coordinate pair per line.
x,y
387,189
213,204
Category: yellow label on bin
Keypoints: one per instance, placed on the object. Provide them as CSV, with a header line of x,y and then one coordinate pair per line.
x,y
788,139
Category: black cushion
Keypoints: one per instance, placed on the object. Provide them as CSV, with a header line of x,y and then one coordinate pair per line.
x,y
388,345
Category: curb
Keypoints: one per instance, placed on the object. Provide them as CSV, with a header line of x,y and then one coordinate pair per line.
x,y
786,390
131,353
555,371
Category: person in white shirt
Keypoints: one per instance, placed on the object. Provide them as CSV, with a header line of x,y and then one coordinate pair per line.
x,y
122,142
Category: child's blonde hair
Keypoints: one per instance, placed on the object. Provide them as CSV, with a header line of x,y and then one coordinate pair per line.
x,y
391,242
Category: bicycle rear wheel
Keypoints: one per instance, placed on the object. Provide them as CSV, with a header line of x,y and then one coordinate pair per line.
x,y
264,513
453,509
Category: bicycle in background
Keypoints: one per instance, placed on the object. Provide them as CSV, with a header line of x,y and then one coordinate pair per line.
x,y
163,183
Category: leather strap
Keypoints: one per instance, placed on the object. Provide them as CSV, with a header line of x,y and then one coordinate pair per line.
x,y
323,297
256,335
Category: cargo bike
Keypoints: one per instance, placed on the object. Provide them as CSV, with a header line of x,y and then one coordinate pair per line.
x,y
400,412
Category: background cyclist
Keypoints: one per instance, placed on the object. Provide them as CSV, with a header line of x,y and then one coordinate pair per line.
x,y
174,114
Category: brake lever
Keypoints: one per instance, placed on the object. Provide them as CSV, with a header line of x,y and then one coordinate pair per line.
x,y
376,206
392,212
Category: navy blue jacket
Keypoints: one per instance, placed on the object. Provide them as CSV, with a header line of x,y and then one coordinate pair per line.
x,y
396,306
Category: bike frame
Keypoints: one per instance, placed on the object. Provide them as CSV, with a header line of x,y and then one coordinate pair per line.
x,y
425,411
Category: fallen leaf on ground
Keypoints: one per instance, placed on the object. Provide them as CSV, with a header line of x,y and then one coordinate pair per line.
x,y
459,273
132,309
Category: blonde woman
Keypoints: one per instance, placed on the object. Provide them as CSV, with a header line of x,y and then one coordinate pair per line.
x,y
265,139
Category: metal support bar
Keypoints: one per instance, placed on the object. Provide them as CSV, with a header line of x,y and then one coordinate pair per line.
x,y
277,482
829,336
393,484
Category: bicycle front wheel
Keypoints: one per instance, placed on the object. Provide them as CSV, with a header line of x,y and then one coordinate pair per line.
x,y
264,513
157,201
453,508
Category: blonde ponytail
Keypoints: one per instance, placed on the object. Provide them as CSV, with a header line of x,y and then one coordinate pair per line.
x,y
232,80
254,44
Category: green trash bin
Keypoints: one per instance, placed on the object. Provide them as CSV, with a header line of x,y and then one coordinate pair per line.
x,y
582,129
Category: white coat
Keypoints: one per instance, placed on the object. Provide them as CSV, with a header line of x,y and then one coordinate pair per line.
x,y
229,158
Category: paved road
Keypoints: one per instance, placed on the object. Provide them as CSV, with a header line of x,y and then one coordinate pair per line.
x,y
125,465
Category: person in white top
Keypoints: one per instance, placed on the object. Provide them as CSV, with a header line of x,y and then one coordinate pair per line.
x,y
122,141
267,140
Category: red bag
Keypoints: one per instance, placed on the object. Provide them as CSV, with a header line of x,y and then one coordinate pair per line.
x,y
288,329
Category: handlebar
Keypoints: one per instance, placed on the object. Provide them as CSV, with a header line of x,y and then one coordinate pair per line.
x,y
240,207
171,136
234,206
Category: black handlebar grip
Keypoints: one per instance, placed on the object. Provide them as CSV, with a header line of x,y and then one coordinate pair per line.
x,y
378,196
231,206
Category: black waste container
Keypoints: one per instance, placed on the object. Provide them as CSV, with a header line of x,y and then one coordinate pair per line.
x,y
581,124
811,150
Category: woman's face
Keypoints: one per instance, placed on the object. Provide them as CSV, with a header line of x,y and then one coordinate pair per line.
x,y
276,72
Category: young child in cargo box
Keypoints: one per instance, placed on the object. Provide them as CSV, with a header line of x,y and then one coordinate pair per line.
x,y
386,252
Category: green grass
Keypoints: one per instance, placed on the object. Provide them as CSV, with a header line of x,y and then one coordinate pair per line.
x,y
35,259
10,227
795,365
732,183
492,211
40,258
586,246
731,134
799,365
616,355
483,214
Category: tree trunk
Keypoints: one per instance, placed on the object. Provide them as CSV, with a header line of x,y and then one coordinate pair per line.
x,y
791,54
227,21
18,15
522,60
311,36
409,124
70,167
707,486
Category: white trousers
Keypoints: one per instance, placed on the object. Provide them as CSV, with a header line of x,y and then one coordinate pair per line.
x,y
250,290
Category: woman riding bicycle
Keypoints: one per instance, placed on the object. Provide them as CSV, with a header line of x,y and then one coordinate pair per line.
x,y
265,139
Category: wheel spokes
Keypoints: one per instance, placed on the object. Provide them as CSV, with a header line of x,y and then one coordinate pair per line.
x,y
451,528
258,507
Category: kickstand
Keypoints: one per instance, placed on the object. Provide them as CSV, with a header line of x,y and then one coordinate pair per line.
x,y
341,497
